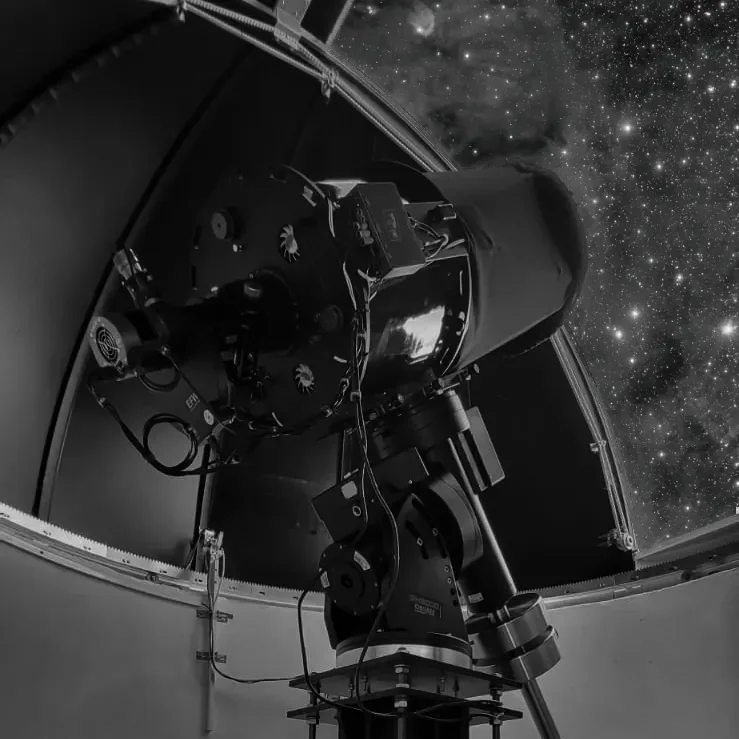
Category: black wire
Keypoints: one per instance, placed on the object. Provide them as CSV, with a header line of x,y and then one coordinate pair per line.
x,y
304,654
167,354
148,456
362,428
212,600
356,395
470,716
308,181
367,467
191,555
160,419
212,603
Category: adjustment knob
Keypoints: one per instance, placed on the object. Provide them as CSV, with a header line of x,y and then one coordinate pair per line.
x,y
223,225
330,319
349,579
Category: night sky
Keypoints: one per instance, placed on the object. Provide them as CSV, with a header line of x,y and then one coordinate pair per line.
x,y
636,106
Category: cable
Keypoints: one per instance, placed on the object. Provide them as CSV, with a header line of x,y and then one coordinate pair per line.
x,y
213,595
146,453
421,226
362,429
367,467
304,653
214,590
356,396
166,352
308,181
444,241
183,427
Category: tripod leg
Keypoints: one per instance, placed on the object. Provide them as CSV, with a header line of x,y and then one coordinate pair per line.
x,y
540,711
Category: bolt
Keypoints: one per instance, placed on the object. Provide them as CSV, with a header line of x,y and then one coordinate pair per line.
x,y
419,541
238,248
401,672
449,580
435,532
356,510
446,568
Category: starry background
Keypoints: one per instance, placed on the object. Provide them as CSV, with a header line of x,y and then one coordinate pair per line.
x,y
636,106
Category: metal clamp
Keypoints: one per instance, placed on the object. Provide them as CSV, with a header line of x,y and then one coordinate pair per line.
x,y
620,539
329,82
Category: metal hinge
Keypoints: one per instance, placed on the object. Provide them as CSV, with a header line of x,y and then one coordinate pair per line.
x,y
205,657
221,616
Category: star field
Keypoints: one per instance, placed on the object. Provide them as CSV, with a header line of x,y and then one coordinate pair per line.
x,y
636,106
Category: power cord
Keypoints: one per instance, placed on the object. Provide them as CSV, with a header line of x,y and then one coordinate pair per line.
x,y
362,430
360,357
304,652
177,470
214,593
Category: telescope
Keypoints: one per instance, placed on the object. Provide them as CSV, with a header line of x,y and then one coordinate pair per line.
x,y
358,307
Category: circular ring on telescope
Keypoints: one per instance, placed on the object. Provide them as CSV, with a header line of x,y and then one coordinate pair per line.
x,y
527,622
438,647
